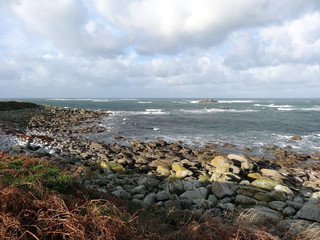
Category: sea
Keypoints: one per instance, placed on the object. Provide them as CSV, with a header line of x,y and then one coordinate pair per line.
x,y
245,123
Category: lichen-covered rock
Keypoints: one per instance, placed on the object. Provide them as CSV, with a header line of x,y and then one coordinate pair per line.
x,y
113,166
284,189
265,184
163,170
273,174
219,161
181,171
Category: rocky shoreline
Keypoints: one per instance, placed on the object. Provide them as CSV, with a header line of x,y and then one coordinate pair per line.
x,y
282,191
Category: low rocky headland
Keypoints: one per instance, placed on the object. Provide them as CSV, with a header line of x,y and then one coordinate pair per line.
x,y
280,192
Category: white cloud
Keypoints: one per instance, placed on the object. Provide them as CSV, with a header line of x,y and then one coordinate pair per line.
x,y
172,47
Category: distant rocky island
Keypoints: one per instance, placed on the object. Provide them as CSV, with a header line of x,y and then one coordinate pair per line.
x,y
208,101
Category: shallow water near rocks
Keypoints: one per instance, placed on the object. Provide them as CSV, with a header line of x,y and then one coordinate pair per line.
x,y
251,123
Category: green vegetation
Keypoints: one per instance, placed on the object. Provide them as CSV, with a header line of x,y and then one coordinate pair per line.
x,y
41,201
16,105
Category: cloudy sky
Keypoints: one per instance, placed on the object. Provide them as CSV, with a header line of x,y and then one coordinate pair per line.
x,y
152,48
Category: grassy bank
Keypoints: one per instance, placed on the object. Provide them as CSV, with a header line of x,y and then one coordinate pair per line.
x,y
16,105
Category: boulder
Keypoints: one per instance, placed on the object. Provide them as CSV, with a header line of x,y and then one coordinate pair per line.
x,y
162,196
181,171
163,170
284,189
222,189
245,163
244,200
113,166
265,184
277,205
311,209
260,215
219,161
180,186
273,174
198,193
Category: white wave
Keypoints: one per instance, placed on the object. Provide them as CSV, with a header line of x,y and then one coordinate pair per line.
x,y
147,112
285,109
70,99
101,100
193,101
273,106
217,110
153,110
235,101
315,108
144,102
156,129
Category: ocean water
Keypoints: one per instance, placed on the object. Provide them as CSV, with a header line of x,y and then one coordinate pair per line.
x,y
251,123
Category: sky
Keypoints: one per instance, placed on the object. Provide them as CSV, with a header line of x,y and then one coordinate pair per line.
x,y
152,48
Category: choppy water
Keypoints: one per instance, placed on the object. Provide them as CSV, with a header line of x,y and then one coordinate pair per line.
x,y
243,122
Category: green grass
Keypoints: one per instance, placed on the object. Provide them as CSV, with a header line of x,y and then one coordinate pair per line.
x,y
21,170
16,105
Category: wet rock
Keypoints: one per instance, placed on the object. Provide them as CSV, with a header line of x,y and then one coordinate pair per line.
x,y
296,138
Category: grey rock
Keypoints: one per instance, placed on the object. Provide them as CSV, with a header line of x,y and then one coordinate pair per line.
x,y
212,198
198,193
296,205
222,189
215,212
289,211
163,196
244,200
261,216
180,186
226,206
139,190
309,211
150,199
277,205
